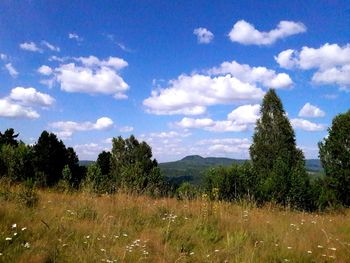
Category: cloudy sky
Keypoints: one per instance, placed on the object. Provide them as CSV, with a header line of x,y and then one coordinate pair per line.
x,y
185,76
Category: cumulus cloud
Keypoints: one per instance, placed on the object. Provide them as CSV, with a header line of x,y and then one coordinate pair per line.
x,y
30,46
3,56
227,145
50,46
245,33
93,76
190,95
306,125
89,151
253,75
30,96
240,119
311,111
331,61
67,128
45,70
10,109
204,36
12,71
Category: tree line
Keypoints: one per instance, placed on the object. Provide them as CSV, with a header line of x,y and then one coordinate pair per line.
x,y
276,172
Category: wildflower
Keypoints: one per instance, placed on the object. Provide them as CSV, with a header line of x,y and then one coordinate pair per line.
x,y
276,245
313,222
8,238
286,260
64,245
14,225
0,254
216,250
309,252
332,257
192,253
23,228
87,237
332,248
289,247
125,235
27,245
103,250
324,255
15,234
319,246
116,236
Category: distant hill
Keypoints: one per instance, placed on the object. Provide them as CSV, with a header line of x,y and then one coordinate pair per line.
x,y
192,167
85,162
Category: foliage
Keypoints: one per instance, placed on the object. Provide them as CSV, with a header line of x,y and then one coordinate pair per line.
x,y
277,161
132,167
335,157
186,191
104,162
230,183
9,137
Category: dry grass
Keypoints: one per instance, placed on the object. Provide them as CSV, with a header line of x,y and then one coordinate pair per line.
x,y
123,228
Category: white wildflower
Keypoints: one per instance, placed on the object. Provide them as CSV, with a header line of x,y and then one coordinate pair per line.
x,y
14,225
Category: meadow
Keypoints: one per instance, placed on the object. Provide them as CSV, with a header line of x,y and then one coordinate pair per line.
x,y
84,227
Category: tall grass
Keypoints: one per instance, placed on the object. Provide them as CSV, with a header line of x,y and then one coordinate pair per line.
x,y
82,227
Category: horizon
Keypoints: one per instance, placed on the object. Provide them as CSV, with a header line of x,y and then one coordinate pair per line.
x,y
187,78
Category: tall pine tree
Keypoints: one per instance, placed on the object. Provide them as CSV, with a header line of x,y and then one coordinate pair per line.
x,y
277,161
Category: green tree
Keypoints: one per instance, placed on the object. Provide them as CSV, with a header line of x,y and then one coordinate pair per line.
x,y
9,137
50,158
335,157
104,161
274,153
132,167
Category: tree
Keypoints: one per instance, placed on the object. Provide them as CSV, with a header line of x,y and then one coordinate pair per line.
x,y
9,137
104,161
335,157
50,158
132,166
274,153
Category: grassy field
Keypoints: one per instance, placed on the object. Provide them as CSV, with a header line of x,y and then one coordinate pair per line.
x,y
82,227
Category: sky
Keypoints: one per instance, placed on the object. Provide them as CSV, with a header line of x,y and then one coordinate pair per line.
x,y
187,77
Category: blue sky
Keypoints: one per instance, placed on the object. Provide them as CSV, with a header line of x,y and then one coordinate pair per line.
x,y
185,76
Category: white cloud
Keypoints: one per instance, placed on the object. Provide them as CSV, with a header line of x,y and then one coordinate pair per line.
x,y
67,128
10,109
245,33
30,46
93,76
195,123
227,145
307,125
336,75
3,56
113,62
126,129
75,36
240,119
204,36
45,70
311,111
253,75
88,151
190,95
50,46
30,96
331,61
285,59
12,71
